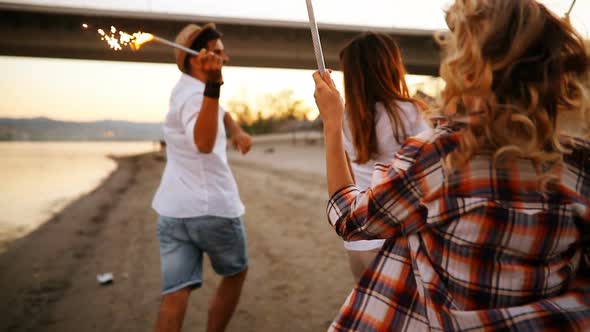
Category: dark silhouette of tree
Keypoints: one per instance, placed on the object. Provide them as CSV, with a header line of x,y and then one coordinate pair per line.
x,y
281,108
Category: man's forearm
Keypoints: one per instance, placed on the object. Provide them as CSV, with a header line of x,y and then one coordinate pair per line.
x,y
230,125
205,131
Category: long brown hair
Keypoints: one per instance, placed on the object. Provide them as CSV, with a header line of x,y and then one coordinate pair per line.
x,y
373,72
523,66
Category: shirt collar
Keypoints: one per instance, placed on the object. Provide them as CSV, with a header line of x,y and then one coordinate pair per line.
x,y
192,82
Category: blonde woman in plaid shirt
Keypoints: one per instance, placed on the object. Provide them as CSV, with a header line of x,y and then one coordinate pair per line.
x,y
487,219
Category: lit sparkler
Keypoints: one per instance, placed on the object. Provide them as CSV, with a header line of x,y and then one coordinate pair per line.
x,y
117,40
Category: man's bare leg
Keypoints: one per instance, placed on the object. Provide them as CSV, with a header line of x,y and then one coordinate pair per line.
x,y
224,302
172,310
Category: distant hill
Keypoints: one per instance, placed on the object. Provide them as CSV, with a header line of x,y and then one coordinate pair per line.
x,y
44,129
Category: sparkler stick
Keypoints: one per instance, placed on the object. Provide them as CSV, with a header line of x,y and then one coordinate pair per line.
x,y
315,37
175,45
571,8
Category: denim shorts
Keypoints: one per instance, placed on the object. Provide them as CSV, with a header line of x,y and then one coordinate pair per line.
x,y
183,242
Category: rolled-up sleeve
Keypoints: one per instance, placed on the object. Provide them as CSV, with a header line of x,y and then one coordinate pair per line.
x,y
341,202
389,208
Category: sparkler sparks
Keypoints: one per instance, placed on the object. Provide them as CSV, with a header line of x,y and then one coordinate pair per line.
x,y
117,40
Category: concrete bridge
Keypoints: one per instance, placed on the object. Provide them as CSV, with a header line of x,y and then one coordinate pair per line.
x,y
40,31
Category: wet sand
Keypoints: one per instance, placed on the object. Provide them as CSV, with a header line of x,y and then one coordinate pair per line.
x,y
298,275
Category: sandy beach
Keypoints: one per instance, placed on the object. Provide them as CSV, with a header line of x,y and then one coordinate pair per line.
x,y
298,275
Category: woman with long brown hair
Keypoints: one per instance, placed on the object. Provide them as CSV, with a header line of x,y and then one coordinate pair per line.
x,y
380,115
487,218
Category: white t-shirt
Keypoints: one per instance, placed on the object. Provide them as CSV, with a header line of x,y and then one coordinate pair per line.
x,y
194,184
387,148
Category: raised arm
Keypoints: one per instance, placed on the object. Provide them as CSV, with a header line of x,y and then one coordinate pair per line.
x,y
331,108
205,130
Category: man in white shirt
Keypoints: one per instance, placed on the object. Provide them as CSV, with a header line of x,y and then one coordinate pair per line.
x,y
197,200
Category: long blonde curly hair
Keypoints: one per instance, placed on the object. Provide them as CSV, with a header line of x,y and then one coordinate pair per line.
x,y
511,67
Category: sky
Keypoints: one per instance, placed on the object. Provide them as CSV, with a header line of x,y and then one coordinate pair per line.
x,y
84,90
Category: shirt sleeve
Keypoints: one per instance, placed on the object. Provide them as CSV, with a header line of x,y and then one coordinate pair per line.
x,y
390,207
189,113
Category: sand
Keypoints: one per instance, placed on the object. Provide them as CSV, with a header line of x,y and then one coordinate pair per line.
x,y
298,275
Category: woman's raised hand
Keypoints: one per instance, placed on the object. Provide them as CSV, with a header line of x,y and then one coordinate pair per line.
x,y
328,100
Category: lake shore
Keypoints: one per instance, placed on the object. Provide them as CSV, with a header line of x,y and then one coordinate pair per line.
x,y
298,275
39,179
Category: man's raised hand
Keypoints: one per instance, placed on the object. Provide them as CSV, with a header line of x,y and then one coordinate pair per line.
x,y
211,65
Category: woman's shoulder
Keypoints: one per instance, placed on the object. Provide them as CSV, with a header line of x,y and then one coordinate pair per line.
x,y
429,147
407,107
444,138
410,114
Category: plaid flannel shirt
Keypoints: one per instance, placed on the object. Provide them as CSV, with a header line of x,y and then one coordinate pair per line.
x,y
473,250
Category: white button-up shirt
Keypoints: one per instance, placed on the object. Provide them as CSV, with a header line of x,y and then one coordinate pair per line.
x,y
194,184
413,123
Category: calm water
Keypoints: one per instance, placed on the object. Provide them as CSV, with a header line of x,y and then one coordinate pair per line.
x,y
39,179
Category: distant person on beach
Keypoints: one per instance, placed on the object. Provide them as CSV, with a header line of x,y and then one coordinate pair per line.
x,y
379,116
198,201
486,218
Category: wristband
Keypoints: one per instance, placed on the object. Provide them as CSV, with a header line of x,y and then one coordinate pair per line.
x,y
212,89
